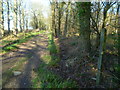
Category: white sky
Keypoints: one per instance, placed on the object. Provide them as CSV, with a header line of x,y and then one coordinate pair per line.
x,y
42,5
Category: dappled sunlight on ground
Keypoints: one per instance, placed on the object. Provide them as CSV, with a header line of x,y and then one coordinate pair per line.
x,y
26,60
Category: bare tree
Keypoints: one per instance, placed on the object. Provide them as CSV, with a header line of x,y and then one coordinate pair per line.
x,y
23,19
20,14
35,19
8,13
16,16
1,18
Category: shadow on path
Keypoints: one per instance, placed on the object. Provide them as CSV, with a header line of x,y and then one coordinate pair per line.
x,y
33,62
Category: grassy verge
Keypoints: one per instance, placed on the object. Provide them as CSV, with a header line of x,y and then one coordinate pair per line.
x,y
12,44
53,52
46,78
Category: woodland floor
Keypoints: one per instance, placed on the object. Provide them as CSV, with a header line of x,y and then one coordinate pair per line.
x,y
74,64
77,65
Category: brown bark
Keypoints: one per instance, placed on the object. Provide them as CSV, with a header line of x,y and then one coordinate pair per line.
x,y
84,20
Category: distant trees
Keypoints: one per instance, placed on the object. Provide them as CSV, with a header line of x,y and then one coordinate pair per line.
x,y
13,11
37,20
65,16
99,16
34,22
63,11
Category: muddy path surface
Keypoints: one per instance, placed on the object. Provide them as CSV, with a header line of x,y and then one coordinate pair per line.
x,y
29,53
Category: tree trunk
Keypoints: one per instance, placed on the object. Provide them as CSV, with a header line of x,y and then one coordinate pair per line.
x,y
119,43
66,23
118,10
2,19
20,17
16,17
23,20
102,37
103,27
84,20
98,40
53,17
8,13
55,20
59,21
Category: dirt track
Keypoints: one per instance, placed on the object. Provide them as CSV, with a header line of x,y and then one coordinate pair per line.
x,y
32,51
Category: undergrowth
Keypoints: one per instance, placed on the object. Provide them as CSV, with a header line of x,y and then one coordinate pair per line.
x,y
116,78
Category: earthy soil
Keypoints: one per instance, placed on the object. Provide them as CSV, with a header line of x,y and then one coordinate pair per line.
x,y
32,51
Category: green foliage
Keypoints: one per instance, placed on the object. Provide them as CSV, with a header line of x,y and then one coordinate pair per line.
x,y
47,79
81,10
116,78
53,51
73,43
5,42
117,68
113,41
52,46
54,63
37,22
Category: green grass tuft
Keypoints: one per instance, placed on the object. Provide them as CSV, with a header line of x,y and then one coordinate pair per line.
x,y
47,79
53,52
